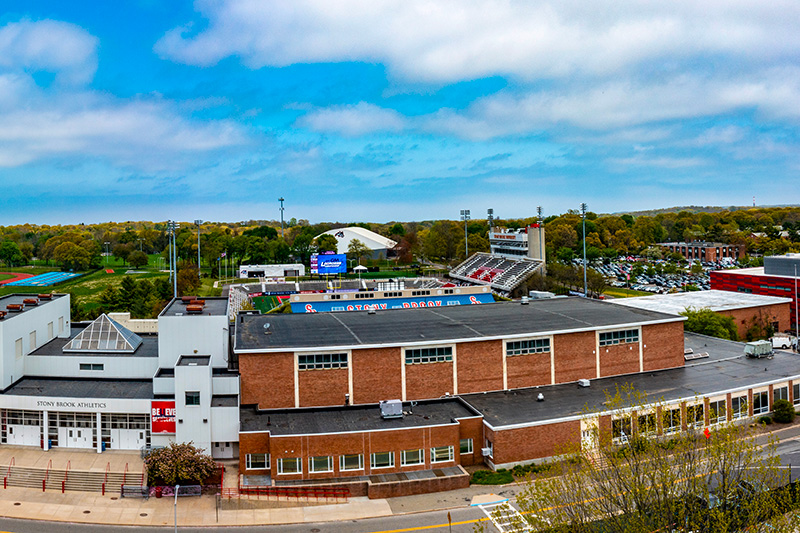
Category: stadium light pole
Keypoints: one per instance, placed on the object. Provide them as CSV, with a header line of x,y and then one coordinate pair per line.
x,y
465,218
281,201
583,213
796,325
106,243
198,222
174,257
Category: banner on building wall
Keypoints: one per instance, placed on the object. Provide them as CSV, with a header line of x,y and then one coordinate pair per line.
x,y
162,417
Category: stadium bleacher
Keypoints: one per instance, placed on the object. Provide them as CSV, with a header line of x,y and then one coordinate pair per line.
x,y
501,273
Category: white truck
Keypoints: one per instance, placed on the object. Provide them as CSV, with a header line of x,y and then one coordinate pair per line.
x,y
758,349
783,342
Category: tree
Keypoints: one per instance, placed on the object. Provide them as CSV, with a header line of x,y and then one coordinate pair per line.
x,y
10,253
179,464
138,259
122,251
358,250
127,293
326,243
397,230
188,278
301,247
625,477
707,322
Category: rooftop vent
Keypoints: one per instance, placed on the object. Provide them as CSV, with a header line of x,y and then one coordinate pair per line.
x,y
583,383
524,300
391,409
2,314
48,296
14,307
30,301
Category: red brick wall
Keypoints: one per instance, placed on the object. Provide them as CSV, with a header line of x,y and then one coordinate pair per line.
x,y
535,442
780,313
471,428
376,375
429,380
662,346
267,379
322,387
252,443
619,359
528,370
480,366
574,356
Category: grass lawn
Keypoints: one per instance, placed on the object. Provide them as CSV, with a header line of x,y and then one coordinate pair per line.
x,y
619,292
5,276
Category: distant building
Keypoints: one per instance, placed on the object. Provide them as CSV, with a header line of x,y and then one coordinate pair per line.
x,y
778,277
705,251
272,271
379,244
518,243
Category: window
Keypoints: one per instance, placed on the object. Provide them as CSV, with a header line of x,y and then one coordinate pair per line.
x,y
321,361
621,429
429,355
411,457
780,393
192,397
441,454
609,338
760,403
32,341
60,324
354,461
530,346
290,465
18,347
695,416
381,460
257,461
465,446
98,367
739,407
796,393
646,424
320,463
50,330
717,412
672,420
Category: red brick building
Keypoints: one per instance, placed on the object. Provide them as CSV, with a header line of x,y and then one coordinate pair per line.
x,y
705,251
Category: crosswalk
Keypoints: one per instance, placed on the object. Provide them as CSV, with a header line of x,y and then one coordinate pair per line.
x,y
505,517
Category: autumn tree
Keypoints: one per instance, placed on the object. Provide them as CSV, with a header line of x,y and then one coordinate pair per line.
x,y
179,464
707,322
358,250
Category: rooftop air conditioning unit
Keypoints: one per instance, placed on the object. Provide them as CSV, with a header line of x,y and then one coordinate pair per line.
x,y
391,409
524,300
583,383
486,452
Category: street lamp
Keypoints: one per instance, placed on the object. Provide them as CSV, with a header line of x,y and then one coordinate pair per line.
x,y
177,488
106,243
465,218
140,239
172,226
198,222
281,201
583,214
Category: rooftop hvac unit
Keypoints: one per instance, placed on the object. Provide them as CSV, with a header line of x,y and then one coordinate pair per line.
x,y
583,383
486,452
391,409
524,300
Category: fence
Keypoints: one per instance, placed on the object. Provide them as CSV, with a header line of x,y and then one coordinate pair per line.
x,y
298,493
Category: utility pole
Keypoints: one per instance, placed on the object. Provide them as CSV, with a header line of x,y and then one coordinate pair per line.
x,y
198,222
583,214
465,218
281,201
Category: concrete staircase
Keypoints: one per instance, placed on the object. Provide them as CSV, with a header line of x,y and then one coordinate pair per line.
x,y
72,480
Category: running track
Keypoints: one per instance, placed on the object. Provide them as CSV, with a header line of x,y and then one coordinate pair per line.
x,y
17,276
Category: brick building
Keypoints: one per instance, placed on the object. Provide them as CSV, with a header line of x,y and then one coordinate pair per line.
x,y
705,251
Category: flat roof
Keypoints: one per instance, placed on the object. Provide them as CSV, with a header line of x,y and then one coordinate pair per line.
x,y
55,347
354,418
715,300
16,298
213,307
133,389
753,271
279,332
194,360
726,369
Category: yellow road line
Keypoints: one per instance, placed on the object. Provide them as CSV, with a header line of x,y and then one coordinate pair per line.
x,y
420,528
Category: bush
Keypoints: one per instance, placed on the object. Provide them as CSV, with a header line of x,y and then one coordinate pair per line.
x,y
532,468
487,477
764,420
783,411
179,464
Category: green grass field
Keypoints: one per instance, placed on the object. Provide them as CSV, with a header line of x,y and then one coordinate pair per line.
x,y
618,292
5,276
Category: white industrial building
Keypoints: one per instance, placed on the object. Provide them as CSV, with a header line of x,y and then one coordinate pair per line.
x,y
101,385
379,244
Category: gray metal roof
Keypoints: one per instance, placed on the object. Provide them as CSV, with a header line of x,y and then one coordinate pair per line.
x,y
213,306
82,388
436,324
19,299
351,418
715,300
725,370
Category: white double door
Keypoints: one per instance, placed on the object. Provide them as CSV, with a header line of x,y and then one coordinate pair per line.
x,y
23,435
75,437
128,439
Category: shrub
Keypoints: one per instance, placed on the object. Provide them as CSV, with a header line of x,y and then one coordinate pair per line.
x,y
764,420
179,464
532,468
487,477
783,411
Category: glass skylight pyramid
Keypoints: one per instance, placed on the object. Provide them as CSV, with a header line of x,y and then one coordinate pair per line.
x,y
104,335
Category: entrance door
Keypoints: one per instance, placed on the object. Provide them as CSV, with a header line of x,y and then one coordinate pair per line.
x,y
222,450
128,439
23,435
75,437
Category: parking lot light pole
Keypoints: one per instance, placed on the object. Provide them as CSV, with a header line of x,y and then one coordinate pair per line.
x,y
106,243
465,218
177,488
281,201
583,213
198,222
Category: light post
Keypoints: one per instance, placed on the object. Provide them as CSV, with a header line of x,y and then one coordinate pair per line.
x,y
796,325
281,201
198,222
177,488
172,226
140,239
106,243
465,218
583,214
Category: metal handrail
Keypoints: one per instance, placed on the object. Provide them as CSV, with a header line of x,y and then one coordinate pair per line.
x,y
47,474
289,492
64,481
125,474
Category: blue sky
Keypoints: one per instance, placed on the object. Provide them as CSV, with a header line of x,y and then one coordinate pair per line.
x,y
378,111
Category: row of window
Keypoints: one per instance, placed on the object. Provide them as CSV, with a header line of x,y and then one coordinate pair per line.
x,y
526,347
349,462
418,356
321,361
625,336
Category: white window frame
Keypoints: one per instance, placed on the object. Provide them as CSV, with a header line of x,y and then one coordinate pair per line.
x,y
91,367
186,398
250,460
18,350
763,406
780,393
296,460
316,361
343,466
626,423
693,421
618,336
405,461
796,392
450,454
527,346
715,414
428,355
469,448
50,334
373,463
32,341
312,464
739,407
653,431
671,418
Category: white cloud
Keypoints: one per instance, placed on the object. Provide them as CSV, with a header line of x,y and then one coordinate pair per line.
x,y
49,45
354,120
450,40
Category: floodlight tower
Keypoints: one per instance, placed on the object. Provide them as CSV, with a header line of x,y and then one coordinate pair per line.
x,y
583,214
465,218
281,201
490,218
173,226
197,223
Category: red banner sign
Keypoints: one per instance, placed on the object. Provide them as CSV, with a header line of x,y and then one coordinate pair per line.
x,y
162,417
